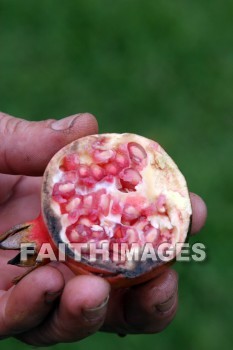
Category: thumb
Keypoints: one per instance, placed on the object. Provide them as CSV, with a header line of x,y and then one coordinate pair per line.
x,y
26,147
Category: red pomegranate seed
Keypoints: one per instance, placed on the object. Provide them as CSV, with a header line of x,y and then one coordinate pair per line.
x,y
150,210
117,207
63,191
120,233
130,178
70,162
97,172
112,169
88,201
122,160
131,175
136,152
132,236
79,233
104,204
130,215
70,176
74,203
151,234
102,157
83,170
73,216
85,220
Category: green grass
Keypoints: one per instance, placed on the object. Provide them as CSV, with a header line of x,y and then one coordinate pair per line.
x,y
163,69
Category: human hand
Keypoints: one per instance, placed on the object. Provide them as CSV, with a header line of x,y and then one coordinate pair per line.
x,y
50,304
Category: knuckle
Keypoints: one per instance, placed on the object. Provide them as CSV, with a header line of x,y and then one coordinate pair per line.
x,y
154,322
160,322
10,125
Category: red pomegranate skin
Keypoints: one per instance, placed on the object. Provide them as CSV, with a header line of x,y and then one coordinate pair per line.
x,y
114,189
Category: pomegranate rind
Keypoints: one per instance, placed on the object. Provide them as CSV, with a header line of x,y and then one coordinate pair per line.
x,y
159,181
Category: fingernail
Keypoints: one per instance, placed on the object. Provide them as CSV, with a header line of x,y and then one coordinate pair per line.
x,y
96,312
50,297
65,123
166,306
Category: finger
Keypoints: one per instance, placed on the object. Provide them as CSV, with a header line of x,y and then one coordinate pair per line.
x,y
152,306
25,305
25,194
27,147
81,312
7,184
199,213
146,308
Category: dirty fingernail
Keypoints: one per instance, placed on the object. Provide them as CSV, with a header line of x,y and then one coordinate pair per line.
x,y
65,123
97,312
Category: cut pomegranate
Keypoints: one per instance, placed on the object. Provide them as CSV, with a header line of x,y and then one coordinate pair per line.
x,y
114,191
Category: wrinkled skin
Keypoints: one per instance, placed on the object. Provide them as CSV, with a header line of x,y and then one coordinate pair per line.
x,y
50,304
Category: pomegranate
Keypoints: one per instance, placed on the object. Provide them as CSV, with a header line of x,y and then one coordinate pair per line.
x,y
116,197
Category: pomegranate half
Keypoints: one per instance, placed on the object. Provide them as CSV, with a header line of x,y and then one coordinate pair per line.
x,y
116,202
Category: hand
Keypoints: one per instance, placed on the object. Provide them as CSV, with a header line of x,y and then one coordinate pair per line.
x,y
51,305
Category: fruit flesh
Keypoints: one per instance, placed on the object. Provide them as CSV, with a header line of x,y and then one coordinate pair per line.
x,y
115,188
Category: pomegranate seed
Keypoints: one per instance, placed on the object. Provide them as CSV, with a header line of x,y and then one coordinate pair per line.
x,y
63,191
63,209
97,172
73,236
132,236
97,197
88,182
122,160
119,233
70,176
66,188
131,175
74,203
112,169
116,208
70,162
104,204
79,233
152,235
130,178
57,197
150,210
73,216
84,170
130,215
87,201
83,220
136,152
102,157
141,223
109,178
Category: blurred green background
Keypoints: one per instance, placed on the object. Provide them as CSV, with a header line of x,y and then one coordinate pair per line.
x,y
163,69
